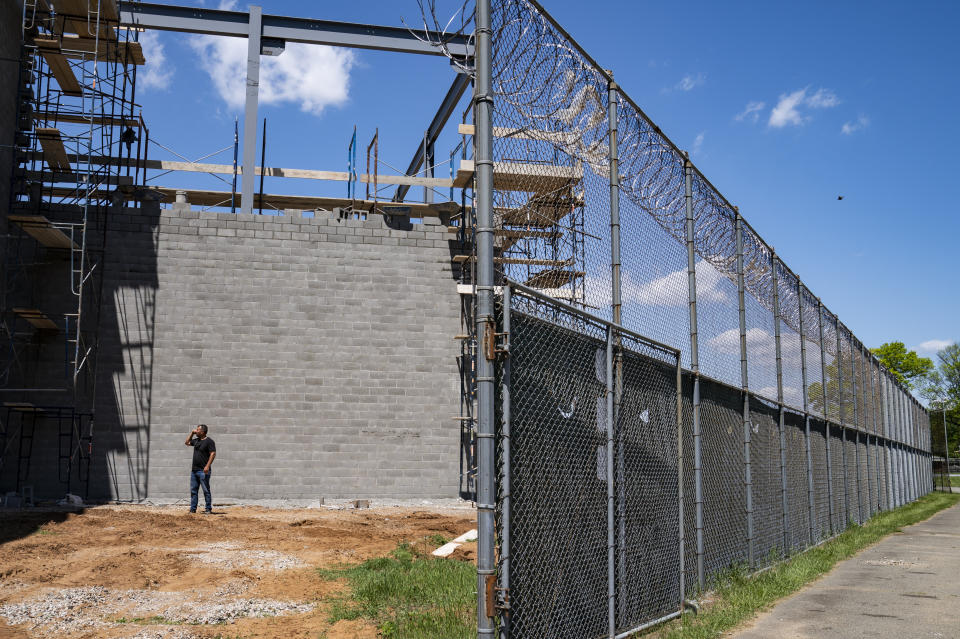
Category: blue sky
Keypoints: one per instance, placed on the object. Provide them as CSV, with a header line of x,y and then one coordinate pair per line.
x,y
783,106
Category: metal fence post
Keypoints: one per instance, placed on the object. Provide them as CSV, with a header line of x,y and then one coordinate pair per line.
x,y
856,425
744,384
682,541
695,370
483,149
946,449
873,416
885,425
611,586
614,199
843,435
806,414
614,180
783,436
504,575
826,418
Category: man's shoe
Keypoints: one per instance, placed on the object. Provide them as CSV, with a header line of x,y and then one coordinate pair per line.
x,y
191,512
208,512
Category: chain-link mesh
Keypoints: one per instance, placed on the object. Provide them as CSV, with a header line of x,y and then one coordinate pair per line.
x,y
766,480
821,478
837,476
798,504
724,487
558,501
646,480
552,107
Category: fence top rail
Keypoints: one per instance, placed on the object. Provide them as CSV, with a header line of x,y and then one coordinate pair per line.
x,y
546,299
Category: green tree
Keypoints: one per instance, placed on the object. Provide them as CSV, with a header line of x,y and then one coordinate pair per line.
x,y
941,388
908,367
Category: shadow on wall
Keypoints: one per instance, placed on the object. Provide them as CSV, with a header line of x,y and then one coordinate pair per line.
x,y
51,442
120,464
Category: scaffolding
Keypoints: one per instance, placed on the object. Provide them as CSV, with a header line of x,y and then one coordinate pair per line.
x,y
79,149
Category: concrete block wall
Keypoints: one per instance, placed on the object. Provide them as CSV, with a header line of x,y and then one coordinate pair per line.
x,y
319,351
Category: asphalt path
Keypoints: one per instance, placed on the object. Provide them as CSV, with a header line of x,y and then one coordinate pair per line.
x,y
905,586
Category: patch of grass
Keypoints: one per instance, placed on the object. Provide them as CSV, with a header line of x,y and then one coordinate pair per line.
x,y
410,595
739,597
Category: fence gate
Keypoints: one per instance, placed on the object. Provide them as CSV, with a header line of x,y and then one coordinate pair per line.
x,y
589,506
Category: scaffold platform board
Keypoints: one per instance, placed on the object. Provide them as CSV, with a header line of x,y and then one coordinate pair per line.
x,y
43,231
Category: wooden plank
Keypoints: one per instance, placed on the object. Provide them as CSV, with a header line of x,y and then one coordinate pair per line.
x,y
80,16
36,318
77,47
296,202
522,261
533,178
77,178
42,230
79,118
62,72
553,278
562,138
53,151
304,174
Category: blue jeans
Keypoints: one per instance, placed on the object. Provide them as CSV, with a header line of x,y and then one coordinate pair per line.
x,y
199,479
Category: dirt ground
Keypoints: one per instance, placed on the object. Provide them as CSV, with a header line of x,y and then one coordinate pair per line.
x,y
160,573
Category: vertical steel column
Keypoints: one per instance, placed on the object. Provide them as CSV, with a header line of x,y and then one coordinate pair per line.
x,y
612,119
614,179
843,435
695,370
744,384
504,573
946,449
250,110
885,422
483,100
806,414
236,151
783,436
823,388
681,541
611,584
873,419
856,429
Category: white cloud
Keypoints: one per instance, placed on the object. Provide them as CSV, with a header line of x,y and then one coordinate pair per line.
x,y
787,112
157,72
760,343
671,289
752,111
689,82
823,99
697,143
934,345
849,128
311,76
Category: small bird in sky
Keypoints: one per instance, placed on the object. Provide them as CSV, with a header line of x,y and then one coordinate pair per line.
x,y
839,197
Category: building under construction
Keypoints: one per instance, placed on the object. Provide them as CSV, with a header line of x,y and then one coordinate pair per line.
x,y
131,313
349,346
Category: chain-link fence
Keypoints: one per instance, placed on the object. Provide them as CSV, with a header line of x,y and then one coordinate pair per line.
x,y
790,429
588,472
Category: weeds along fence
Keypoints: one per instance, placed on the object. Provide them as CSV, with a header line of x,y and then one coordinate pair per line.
x,y
789,428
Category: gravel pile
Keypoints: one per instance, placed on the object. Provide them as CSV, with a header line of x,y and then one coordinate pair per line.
x,y
232,556
69,610
60,611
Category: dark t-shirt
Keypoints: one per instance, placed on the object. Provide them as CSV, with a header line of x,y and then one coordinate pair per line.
x,y
201,451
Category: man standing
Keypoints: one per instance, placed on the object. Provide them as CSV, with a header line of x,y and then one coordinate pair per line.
x,y
204,450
